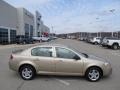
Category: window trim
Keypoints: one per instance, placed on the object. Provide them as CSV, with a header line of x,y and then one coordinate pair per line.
x,y
43,56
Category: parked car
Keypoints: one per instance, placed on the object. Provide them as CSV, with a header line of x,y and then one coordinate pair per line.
x,y
81,38
95,40
29,41
88,39
84,38
20,39
53,37
24,40
43,39
111,42
58,60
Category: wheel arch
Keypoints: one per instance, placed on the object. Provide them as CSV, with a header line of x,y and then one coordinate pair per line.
x,y
27,64
96,42
94,66
115,43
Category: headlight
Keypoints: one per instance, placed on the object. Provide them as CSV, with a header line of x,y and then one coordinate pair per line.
x,y
106,63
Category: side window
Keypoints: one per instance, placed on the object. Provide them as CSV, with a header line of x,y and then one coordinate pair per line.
x,y
65,53
42,51
98,38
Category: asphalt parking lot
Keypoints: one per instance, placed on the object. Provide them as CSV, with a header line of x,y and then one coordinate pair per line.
x,y
10,80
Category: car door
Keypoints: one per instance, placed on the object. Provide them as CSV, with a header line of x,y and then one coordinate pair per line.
x,y
67,61
44,58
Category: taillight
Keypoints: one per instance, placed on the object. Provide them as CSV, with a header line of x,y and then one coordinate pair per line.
x,y
11,57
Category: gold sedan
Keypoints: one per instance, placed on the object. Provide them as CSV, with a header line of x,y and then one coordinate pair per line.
x,y
58,60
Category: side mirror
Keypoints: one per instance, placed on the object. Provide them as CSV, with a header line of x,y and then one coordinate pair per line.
x,y
76,57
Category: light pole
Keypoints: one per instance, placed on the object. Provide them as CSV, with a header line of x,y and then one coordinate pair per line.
x,y
52,31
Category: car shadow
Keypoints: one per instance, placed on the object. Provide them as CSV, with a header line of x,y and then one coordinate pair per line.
x,y
59,77
69,78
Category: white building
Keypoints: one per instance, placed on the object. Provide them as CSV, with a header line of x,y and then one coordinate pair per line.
x,y
40,28
8,22
38,24
19,22
45,30
25,23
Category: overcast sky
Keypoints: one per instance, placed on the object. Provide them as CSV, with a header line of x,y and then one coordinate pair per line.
x,y
68,16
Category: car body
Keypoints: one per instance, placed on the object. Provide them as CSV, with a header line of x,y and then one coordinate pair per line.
x,y
58,60
23,40
44,39
111,42
81,39
53,37
89,39
95,40
20,39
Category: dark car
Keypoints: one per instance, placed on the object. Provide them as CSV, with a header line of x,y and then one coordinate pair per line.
x,y
24,40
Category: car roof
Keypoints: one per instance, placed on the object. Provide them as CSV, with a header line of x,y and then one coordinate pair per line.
x,y
51,45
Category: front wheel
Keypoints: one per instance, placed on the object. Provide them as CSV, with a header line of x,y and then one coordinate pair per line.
x,y
27,72
93,74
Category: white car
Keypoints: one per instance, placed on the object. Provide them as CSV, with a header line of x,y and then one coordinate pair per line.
x,y
111,42
95,40
44,39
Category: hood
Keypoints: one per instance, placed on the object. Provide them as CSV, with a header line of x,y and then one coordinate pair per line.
x,y
93,57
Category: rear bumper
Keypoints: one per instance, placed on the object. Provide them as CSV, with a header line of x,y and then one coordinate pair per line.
x,y
12,66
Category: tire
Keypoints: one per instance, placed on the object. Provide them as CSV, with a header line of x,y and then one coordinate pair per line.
x,y
93,74
27,72
115,46
103,45
96,43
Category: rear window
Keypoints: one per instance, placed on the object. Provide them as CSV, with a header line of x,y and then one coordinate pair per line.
x,y
42,51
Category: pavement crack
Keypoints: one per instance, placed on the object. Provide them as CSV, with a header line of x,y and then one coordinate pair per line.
x,y
20,86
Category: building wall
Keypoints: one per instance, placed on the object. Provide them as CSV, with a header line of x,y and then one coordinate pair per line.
x,y
40,28
38,24
45,29
28,17
8,15
24,18
20,22
8,22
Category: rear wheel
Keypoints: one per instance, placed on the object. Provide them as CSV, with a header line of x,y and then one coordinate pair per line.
x,y
96,43
115,46
27,72
93,74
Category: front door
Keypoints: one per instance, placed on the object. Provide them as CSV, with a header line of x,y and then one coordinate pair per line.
x,y
68,61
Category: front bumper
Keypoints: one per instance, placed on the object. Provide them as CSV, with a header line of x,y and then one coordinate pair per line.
x,y
105,45
108,70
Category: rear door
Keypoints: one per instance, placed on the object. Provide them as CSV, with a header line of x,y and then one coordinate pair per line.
x,y
44,58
